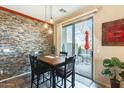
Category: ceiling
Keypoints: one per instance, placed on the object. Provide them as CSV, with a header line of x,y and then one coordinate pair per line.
x,y
38,11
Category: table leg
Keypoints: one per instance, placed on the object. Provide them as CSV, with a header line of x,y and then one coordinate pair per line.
x,y
54,79
73,80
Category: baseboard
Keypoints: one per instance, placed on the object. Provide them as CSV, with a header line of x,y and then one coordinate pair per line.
x,y
3,80
102,84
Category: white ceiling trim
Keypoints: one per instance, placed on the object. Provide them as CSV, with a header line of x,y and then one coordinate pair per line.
x,y
74,19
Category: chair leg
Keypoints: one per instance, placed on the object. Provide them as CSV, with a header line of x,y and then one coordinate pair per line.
x,y
32,80
43,77
64,82
38,79
57,79
50,79
73,80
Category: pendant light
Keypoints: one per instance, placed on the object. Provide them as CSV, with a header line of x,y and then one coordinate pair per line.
x,y
51,16
50,31
45,16
45,25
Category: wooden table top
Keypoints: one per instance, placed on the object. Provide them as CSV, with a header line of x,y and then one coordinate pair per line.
x,y
52,59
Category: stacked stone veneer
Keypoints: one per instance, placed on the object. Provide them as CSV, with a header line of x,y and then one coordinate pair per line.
x,y
20,36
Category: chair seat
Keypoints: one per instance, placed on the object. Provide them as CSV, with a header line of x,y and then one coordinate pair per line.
x,y
41,69
60,72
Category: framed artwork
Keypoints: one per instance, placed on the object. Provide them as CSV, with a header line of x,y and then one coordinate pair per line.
x,y
113,33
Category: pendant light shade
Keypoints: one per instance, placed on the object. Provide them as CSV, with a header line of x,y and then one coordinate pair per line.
x,y
45,25
50,31
51,20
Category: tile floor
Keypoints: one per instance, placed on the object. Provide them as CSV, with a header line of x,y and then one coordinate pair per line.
x,y
24,82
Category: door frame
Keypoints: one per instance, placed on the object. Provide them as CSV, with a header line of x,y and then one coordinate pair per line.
x,y
73,43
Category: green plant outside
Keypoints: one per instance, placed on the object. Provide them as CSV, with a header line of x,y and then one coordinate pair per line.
x,y
79,50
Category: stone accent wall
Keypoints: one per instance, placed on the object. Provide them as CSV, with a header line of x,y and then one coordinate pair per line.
x,y
20,36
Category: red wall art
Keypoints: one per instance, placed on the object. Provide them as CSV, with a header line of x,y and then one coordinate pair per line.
x,y
113,33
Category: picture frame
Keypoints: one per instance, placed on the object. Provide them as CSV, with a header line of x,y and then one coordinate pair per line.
x,y
113,33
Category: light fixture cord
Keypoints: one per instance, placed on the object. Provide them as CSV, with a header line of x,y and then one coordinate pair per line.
x,y
45,12
51,11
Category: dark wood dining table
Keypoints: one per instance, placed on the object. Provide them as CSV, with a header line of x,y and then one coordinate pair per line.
x,y
53,61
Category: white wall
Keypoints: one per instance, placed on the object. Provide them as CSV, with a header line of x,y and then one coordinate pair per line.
x,y
106,14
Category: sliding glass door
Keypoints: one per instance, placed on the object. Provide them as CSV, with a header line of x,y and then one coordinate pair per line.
x,y
77,39
83,47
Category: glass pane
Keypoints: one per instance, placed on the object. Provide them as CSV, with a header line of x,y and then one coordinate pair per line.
x,y
83,47
66,40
